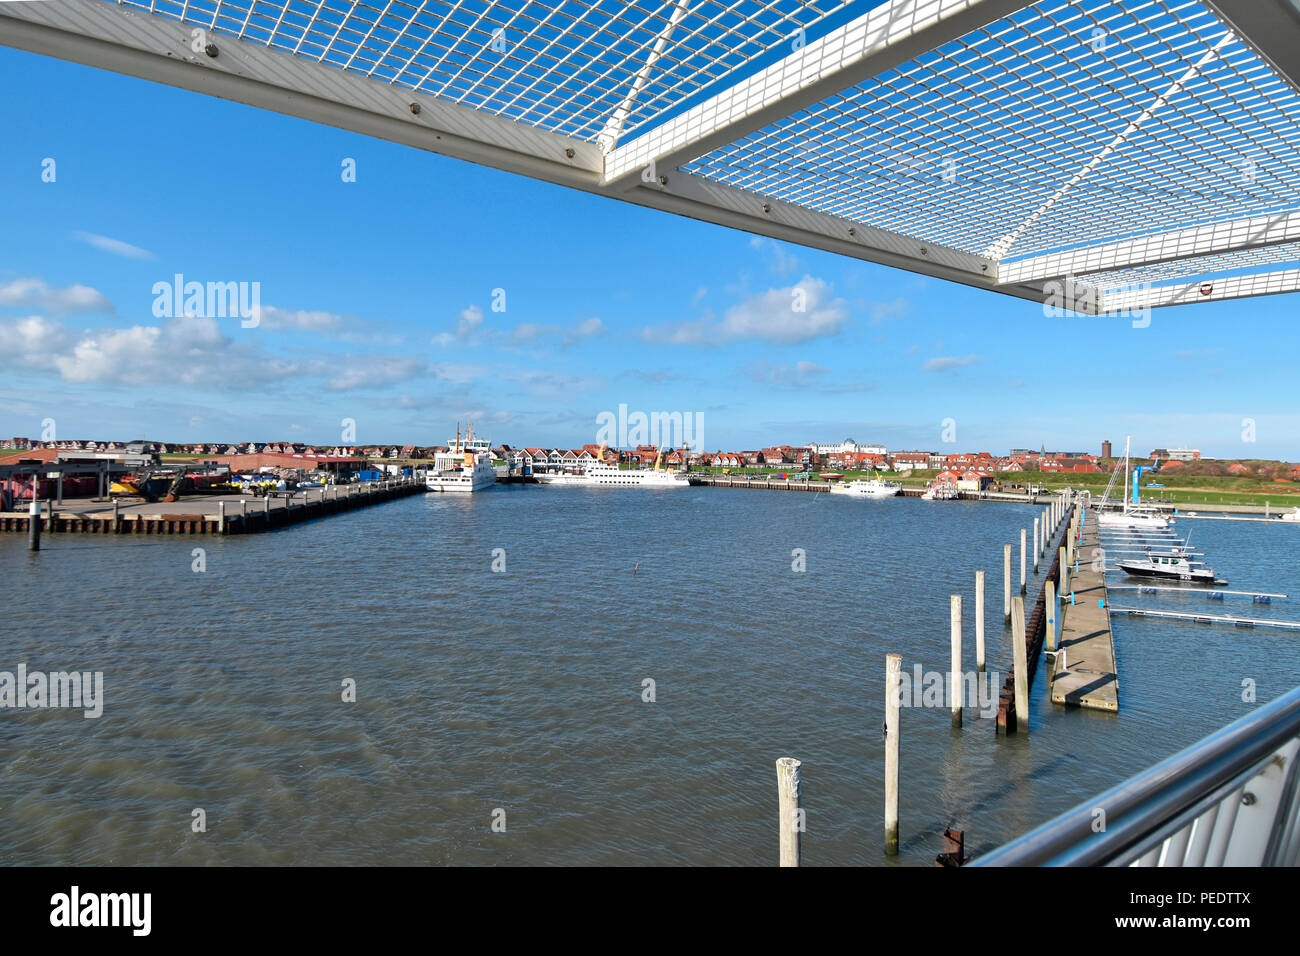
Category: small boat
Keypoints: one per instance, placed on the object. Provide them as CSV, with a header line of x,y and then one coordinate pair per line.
x,y
1292,515
940,491
1169,565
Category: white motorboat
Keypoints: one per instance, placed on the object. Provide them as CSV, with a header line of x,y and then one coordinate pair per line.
x,y
873,488
1170,564
1292,515
465,467
940,491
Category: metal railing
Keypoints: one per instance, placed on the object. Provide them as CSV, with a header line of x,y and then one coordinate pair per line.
x,y
1231,800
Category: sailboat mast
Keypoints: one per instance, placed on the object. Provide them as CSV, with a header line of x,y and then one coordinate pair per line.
x,y
1127,439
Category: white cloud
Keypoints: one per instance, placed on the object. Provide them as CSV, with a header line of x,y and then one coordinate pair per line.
x,y
116,246
946,363
272,319
766,373
185,350
36,294
778,260
885,311
784,316
467,323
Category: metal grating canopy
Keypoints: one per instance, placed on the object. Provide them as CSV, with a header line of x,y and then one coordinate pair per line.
x,y
1133,148
1043,131
568,67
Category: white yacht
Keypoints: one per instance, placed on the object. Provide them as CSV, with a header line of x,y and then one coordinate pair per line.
x,y
861,488
1132,515
465,467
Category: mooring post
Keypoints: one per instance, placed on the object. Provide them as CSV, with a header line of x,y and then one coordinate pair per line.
x,y
979,620
221,517
1021,663
117,519
787,786
1065,571
1036,546
34,525
50,502
1006,583
954,607
1049,606
893,676
1023,570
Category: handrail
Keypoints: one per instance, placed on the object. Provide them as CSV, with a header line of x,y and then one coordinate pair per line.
x,y
1140,806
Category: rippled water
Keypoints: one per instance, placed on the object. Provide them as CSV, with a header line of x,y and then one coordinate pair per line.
x,y
522,690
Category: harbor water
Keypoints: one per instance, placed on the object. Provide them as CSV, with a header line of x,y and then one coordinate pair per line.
x,y
501,646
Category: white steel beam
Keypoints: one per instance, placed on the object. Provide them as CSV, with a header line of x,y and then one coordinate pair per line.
x,y
1215,290
1230,236
117,38
879,40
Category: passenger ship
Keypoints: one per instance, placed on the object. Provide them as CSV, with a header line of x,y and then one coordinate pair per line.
x,y
875,488
465,467
600,473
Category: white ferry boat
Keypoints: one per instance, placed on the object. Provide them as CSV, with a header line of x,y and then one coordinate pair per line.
x,y
861,488
600,473
603,474
465,467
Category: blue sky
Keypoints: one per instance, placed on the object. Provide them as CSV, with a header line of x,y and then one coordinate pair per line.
x,y
377,306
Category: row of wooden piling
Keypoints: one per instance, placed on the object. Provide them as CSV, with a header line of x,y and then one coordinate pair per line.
x,y
1013,711
44,517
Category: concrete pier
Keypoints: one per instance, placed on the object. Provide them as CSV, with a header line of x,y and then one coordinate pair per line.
x,y
1083,672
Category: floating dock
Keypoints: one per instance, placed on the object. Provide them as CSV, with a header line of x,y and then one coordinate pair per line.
x,y
1083,672
209,514
1228,619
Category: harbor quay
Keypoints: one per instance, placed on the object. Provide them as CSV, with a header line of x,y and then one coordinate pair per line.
x,y
204,514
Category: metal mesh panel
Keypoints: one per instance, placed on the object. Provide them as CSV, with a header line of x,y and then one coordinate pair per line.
x,y
1067,124
1269,258
569,66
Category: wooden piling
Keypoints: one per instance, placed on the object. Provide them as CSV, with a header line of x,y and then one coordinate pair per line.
x,y
893,676
1023,579
954,608
1053,614
787,786
979,621
1006,583
1065,571
221,517
1037,546
1020,654
117,518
